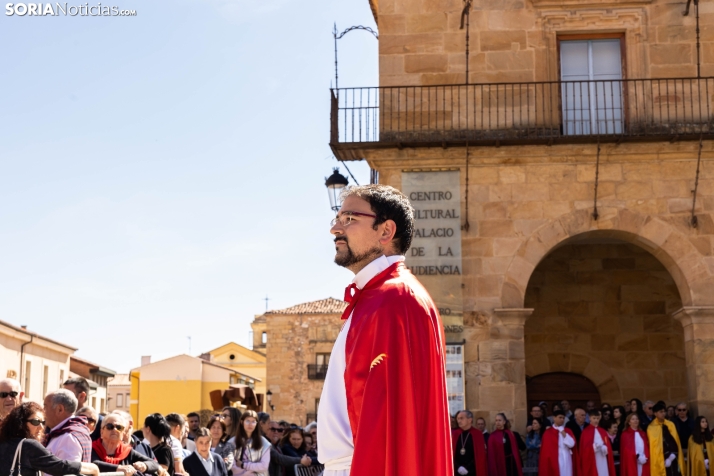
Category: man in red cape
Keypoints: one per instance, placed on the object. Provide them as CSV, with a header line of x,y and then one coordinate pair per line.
x,y
384,409
469,447
558,451
595,451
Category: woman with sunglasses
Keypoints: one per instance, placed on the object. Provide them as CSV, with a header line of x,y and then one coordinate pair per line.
x,y
231,417
280,463
25,425
111,454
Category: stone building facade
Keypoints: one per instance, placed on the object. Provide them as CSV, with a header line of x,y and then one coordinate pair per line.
x,y
298,344
582,249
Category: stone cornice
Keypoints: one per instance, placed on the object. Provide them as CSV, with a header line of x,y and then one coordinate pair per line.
x,y
587,3
689,315
513,317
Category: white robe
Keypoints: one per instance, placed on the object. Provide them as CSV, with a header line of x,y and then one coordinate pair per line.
x,y
639,450
565,452
600,455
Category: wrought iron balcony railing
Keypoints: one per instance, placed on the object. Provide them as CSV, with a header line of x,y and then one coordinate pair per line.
x,y
520,113
316,372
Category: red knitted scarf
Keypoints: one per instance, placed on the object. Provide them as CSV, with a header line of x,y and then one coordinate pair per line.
x,y
121,453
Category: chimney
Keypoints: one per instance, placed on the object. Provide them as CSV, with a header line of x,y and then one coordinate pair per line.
x,y
206,356
24,327
145,360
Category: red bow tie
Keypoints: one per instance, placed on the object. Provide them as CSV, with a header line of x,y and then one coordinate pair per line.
x,y
351,299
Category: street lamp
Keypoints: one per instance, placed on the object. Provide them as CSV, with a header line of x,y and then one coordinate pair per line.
x,y
269,394
335,183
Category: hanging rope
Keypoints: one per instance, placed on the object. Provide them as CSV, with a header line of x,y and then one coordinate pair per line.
x,y
465,17
597,179
466,222
696,183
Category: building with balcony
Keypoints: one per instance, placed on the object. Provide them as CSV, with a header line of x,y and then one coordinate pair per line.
x,y
558,154
298,341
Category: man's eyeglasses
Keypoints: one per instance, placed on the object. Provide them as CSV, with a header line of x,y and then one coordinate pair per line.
x,y
112,426
346,218
35,422
9,394
681,409
277,430
89,420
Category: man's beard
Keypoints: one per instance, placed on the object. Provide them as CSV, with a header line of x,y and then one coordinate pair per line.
x,y
349,258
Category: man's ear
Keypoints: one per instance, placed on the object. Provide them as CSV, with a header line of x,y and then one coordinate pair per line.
x,y
389,229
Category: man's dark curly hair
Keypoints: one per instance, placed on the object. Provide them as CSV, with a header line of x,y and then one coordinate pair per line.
x,y
13,425
388,203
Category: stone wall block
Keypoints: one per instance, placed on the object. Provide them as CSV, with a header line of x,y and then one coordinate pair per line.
x,y
539,192
496,397
634,190
655,231
426,63
668,54
502,40
493,351
392,24
426,23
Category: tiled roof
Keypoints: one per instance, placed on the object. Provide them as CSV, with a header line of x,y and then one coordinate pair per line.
x,y
323,306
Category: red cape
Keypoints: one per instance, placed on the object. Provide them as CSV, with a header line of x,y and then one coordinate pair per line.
x,y
628,455
395,379
479,448
497,453
588,467
549,453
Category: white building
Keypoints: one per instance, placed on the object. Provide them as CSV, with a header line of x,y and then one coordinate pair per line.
x,y
39,363
119,393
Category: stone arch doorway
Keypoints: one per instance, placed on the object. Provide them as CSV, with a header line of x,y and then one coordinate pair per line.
x,y
603,309
557,386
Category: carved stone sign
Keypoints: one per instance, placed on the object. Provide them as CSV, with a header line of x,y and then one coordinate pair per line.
x,y
435,254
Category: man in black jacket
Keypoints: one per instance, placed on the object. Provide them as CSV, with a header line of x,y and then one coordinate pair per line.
x,y
278,460
578,423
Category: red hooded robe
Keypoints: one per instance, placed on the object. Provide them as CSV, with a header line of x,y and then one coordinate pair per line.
x,y
395,379
588,466
479,448
628,454
497,453
549,453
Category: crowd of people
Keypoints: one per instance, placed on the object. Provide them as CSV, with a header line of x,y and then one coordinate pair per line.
x,y
633,439
64,436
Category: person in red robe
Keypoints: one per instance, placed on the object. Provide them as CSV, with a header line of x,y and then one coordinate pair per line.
x,y
469,447
559,451
384,408
595,450
503,456
634,449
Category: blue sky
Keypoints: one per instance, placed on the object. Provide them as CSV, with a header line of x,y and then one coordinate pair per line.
x,y
160,174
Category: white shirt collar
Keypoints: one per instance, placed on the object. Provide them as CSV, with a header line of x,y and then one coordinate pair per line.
x,y
559,428
210,456
61,424
374,268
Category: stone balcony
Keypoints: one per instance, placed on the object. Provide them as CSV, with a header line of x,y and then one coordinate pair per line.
x,y
499,114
